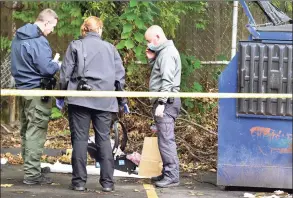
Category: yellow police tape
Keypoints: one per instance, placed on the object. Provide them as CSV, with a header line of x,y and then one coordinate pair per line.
x,y
102,94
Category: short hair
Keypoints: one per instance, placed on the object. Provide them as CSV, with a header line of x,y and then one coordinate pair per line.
x,y
43,16
155,29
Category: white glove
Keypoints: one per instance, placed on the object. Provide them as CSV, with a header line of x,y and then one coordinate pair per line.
x,y
59,64
160,111
56,58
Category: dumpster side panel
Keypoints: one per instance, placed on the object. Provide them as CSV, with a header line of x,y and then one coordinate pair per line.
x,y
265,68
252,151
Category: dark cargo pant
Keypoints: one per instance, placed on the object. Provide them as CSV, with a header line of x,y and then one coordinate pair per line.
x,y
166,139
34,118
79,122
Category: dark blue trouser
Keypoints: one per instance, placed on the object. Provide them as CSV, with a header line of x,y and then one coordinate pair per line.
x,y
166,139
79,122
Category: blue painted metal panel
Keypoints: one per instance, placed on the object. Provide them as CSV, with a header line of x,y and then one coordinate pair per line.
x,y
252,152
266,117
273,37
276,36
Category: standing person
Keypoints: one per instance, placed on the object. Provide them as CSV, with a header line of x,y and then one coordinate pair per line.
x,y
91,64
165,77
33,67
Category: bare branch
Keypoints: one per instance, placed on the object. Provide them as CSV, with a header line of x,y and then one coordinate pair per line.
x,y
57,136
186,113
186,145
149,106
133,112
198,125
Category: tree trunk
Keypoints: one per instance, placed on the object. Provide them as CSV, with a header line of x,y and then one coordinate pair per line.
x,y
12,99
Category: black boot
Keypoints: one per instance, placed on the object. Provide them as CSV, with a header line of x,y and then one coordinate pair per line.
x,y
45,170
39,180
77,188
158,178
167,182
108,189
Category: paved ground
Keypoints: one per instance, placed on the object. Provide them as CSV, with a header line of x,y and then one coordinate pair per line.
x,y
202,185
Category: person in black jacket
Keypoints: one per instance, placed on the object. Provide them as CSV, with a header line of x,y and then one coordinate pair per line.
x,y
33,67
91,63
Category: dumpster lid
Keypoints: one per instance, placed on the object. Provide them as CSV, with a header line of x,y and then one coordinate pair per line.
x,y
274,15
279,28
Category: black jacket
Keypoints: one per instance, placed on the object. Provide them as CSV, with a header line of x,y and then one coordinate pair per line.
x,y
99,63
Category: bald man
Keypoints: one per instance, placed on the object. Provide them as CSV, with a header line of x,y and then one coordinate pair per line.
x,y
165,77
33,67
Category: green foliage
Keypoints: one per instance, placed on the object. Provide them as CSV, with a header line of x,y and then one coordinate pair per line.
x,y
65,132
134,24
55,113
285,6
189,65
70,19
5,44
109,13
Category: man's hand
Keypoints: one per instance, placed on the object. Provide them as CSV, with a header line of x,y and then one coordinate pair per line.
x,y
150,54
59,64
56,58
60,103
126,108
123,109
160,111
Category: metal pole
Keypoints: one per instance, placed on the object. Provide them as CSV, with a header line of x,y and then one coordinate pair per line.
x,y
234,28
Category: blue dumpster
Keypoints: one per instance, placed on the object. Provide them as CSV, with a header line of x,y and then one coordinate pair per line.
x,y
255,135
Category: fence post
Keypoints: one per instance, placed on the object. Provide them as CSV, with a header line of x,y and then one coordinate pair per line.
x,y
234,28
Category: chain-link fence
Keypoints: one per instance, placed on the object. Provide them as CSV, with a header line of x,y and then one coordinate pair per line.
x,y
5,73
215,40
5,83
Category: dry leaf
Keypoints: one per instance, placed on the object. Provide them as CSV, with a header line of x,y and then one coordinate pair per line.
x,y
272,196
279,192
249,195
191,193
135,190
55,184
47,143
6,185
213,170
260,194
